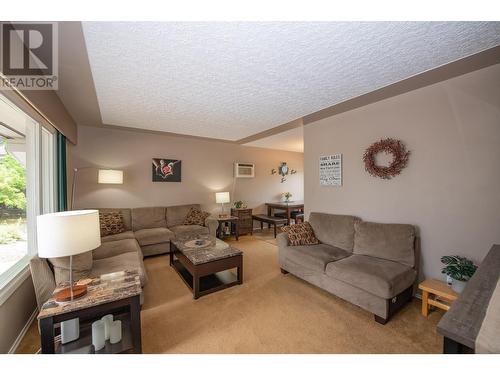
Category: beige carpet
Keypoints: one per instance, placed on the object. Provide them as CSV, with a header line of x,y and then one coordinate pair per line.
x,y
269,313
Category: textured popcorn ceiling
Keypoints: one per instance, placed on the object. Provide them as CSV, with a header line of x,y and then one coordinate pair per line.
x,y
232,80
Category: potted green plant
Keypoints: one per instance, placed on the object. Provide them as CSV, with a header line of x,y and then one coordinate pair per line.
x,y
458,268
287,195
238,204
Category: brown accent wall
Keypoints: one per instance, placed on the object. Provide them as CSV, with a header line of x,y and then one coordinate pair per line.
x,y
450,189
207,167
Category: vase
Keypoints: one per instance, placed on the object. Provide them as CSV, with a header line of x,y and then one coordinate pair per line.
x,y
458,286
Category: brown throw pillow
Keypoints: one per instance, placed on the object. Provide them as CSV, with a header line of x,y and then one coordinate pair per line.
x,y
111,223
300,234
196,217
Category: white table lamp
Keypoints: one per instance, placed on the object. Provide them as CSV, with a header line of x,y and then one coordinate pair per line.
x,y
222,198
68,233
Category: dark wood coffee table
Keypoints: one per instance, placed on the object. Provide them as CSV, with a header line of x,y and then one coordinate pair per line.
x,y
206,269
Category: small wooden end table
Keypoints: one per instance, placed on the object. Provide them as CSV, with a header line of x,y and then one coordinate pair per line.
x,y
436,293
232,220
117,294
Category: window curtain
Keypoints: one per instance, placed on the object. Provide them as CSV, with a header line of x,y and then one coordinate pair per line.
x,y
62,192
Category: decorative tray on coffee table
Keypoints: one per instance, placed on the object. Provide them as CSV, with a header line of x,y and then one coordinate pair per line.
x,y
198,243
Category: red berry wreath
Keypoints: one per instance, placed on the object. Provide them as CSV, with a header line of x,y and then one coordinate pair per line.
x,y
392,146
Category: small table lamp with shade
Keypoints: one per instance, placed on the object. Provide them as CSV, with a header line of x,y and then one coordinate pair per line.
x,y
222,197
68,233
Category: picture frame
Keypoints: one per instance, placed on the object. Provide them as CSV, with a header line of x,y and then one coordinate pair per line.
x,y
166,170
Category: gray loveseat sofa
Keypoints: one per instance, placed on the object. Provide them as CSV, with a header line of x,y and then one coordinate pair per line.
x,y
371,265
148,231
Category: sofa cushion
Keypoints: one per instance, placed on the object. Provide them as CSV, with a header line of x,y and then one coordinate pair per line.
x,y
82,264
153,236
300,234
387,241
187,230
156,249
120,236
148,217
111,223
177,214
314,257
126,215
113,248
334,230
196,216
122,262
380,277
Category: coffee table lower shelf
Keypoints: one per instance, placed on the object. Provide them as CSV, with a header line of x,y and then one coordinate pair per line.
x,y
208,283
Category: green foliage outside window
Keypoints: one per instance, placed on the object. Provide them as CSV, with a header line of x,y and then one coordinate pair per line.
x,y
12,183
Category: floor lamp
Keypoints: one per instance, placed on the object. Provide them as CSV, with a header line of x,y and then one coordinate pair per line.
x,y
105,176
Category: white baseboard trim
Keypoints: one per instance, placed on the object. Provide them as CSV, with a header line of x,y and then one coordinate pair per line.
x,y
19,338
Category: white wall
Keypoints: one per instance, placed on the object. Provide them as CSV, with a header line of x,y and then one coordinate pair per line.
x,y
207,167
451,187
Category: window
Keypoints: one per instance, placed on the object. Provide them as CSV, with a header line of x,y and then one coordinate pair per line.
x,y
27,186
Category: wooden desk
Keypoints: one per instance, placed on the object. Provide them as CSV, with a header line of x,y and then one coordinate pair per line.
x,y
288,207
436,293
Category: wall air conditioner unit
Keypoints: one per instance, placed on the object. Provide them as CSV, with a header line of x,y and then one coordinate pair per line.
x,y
244,170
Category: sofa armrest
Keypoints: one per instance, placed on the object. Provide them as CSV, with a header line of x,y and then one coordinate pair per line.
x,y
212,224
282,240
43,278
283,245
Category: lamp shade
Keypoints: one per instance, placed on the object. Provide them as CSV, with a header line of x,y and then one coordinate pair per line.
x,y
222,197
110,176
67,233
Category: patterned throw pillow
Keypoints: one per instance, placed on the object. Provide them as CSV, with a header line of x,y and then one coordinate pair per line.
x,y
196,217
300,234
111,223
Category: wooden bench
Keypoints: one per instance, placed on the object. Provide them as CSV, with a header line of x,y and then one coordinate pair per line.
x,y
297,216
270,220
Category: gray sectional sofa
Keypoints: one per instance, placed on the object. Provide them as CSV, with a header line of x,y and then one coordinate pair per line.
x,y
148,231
153,228
371,265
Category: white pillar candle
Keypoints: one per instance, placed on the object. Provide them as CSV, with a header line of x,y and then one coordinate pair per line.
x,y
98,339
107,319
70,330
115,332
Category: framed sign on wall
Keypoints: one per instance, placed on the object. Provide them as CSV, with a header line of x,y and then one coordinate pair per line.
x,y
330,170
